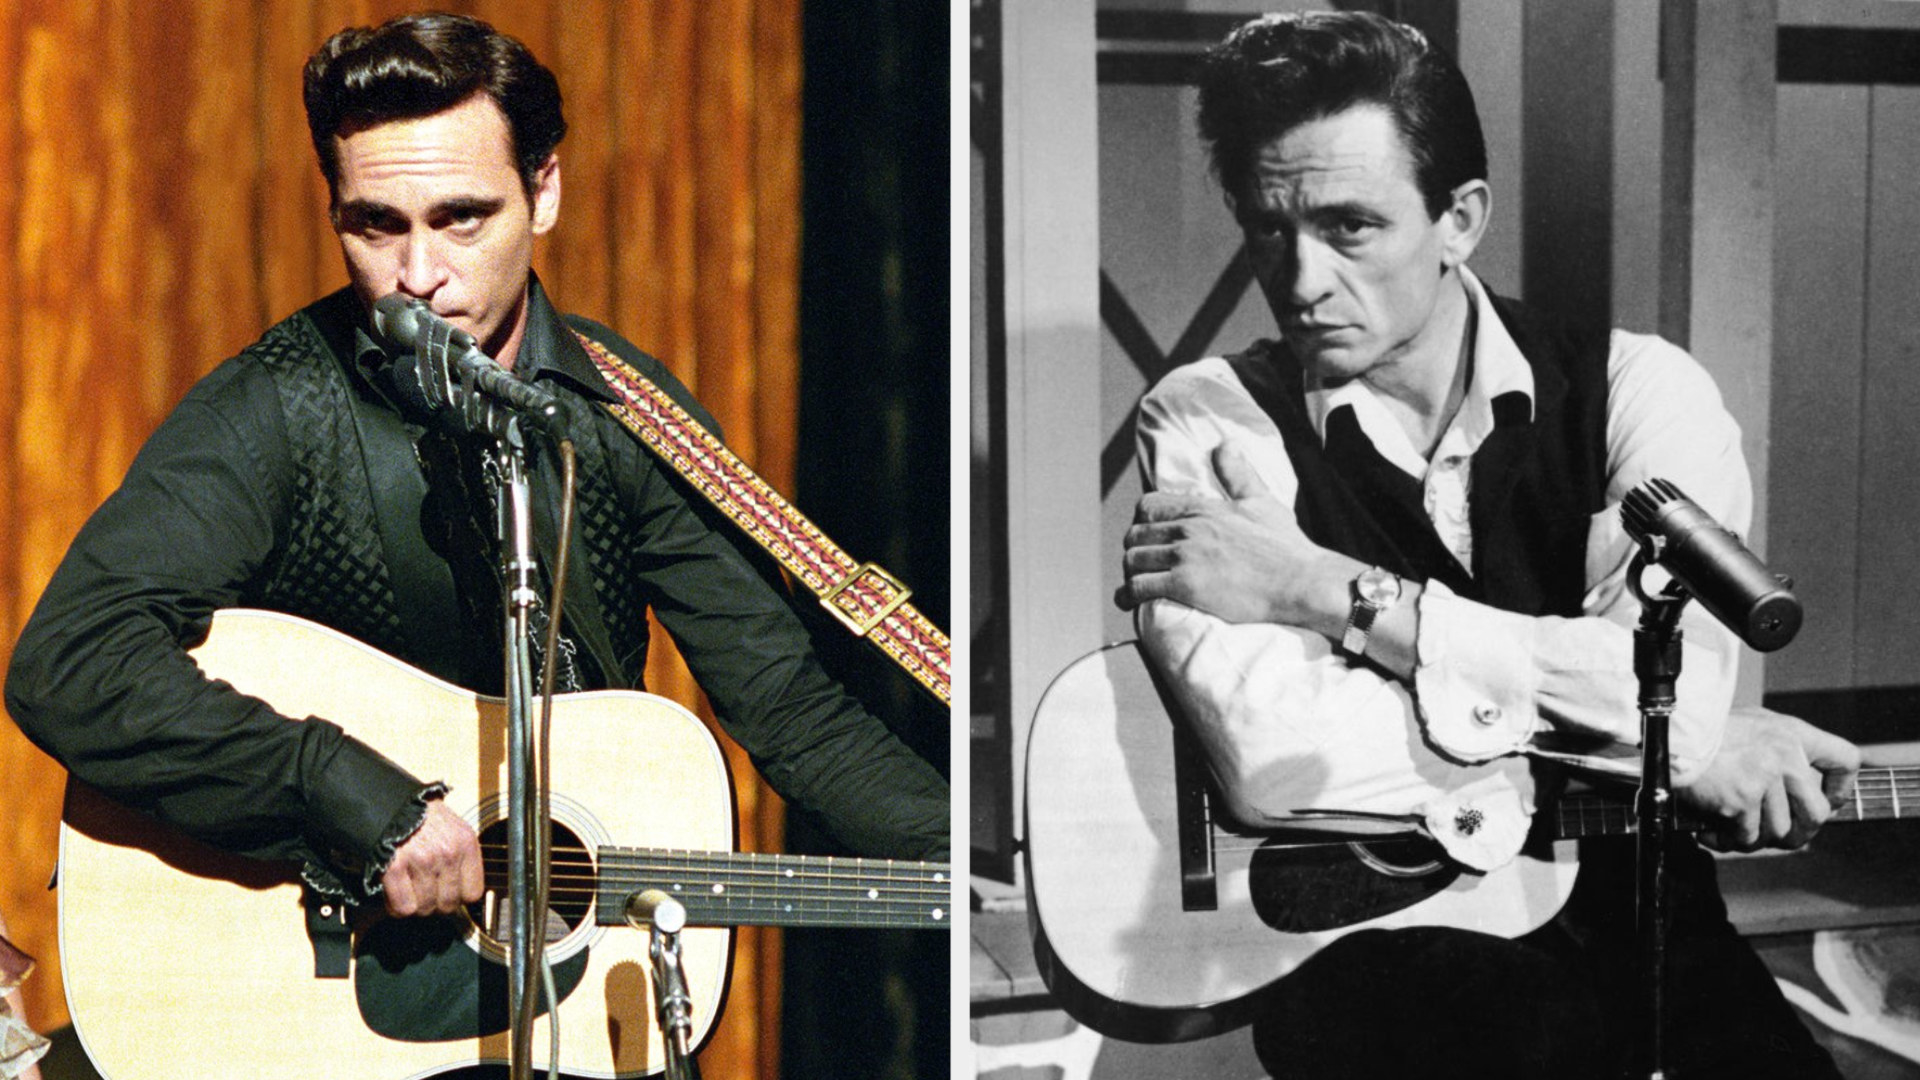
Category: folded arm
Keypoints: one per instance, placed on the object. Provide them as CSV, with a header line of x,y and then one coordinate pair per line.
x,y
1222,570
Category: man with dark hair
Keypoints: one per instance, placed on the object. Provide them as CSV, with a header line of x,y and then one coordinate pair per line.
x,y
302,476
1382,565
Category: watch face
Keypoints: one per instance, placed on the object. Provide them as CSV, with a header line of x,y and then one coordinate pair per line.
x,y
1377,588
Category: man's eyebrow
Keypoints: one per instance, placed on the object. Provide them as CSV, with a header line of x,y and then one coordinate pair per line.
x,y
1345,208
1342,208
367,209
364,209
467,204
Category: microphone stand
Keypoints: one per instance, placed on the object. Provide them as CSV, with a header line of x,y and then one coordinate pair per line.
x,y
491,401
1656,662
673,1005
526,842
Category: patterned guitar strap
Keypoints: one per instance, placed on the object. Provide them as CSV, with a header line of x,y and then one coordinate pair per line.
x,y
866,599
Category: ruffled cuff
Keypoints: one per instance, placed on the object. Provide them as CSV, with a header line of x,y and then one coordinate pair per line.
x,y
360,807
326,880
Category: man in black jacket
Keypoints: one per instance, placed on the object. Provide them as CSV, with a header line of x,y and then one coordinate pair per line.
x,y
301,476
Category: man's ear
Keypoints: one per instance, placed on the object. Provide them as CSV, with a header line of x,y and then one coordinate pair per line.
x,y
1464,222
546,196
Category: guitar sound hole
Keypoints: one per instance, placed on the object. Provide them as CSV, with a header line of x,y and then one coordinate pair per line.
x,y
569,894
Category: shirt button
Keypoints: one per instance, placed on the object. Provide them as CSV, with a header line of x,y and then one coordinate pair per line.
x,y
1486,715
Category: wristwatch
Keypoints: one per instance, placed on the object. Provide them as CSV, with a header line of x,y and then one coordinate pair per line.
x,y
1374,591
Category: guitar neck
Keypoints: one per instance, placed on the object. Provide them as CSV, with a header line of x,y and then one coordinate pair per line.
x,y
750,889
1878,794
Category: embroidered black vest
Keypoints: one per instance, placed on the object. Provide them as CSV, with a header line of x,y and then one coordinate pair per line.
x,y
353,556
1535,483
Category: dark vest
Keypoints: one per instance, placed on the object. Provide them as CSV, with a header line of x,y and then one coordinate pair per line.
x,y
354,556
1535,483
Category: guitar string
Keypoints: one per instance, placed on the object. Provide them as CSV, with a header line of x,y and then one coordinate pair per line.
x,y
755,858
810,889
811,886
735,867
1874,791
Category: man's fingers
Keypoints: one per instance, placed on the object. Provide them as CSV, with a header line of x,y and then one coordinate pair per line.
x,y
1811,808
400,898
1776,818
1150,534
1837,759
436,869
1236,473
1157,506
1141,588
1145,560
473,880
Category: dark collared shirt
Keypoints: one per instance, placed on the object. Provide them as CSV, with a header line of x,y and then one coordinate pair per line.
x,y
100,679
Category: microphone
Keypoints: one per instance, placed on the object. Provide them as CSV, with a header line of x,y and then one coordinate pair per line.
x,y
444,351
1713,565
653,907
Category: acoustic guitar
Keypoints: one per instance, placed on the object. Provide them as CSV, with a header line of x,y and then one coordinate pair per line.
x,y
180,959
1156,920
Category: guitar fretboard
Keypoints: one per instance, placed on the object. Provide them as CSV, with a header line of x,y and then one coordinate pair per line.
x,y
749,889
1878,793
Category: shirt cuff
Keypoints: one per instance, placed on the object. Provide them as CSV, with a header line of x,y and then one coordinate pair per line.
x,y
360,807
1476,699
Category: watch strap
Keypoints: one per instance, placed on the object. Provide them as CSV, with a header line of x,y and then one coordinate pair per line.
x,y
1353,640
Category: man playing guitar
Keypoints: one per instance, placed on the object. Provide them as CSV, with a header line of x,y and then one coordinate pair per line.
x,y
302,476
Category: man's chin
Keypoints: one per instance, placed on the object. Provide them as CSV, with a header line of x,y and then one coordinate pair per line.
x,y
1328,361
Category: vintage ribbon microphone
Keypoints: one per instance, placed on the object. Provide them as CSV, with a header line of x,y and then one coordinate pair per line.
x,y
1706,561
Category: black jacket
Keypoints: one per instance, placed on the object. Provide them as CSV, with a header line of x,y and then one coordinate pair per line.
x,y
293,478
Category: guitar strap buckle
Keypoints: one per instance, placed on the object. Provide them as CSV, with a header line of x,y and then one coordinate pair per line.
x,y
890,589
332,938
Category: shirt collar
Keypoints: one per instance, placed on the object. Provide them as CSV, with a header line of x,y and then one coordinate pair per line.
x,y
1498,368
548,348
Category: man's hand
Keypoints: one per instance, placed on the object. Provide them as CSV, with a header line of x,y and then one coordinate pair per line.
x,y
1242,559
437,869
1773,783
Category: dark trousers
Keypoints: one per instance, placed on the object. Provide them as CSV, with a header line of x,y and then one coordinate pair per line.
x,y
1565,1001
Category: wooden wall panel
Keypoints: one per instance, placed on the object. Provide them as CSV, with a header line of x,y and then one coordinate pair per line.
x,y
1820,169
1889,594
159,207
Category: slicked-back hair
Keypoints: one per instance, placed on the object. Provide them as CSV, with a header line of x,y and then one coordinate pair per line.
x,y
418,65
1280,71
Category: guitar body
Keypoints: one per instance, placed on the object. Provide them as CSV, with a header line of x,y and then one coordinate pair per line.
x,y
1115,939
182,960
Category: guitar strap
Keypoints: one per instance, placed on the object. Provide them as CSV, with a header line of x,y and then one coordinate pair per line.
x,y
864,598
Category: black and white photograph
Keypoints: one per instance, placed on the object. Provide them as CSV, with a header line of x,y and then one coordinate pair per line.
x,y
1443,593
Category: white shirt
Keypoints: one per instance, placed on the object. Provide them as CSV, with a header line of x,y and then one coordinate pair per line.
x,y
1290,725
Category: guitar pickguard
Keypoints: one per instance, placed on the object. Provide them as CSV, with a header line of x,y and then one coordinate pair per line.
x,y
420,980
1327,887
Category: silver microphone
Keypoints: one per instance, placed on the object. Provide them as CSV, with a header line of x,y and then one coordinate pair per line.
x,y
1713,565
450,363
